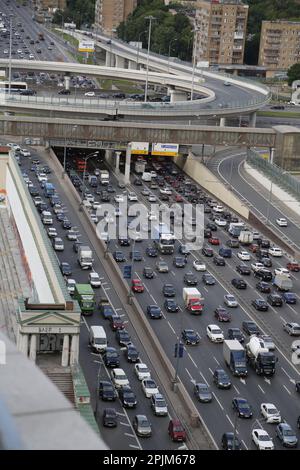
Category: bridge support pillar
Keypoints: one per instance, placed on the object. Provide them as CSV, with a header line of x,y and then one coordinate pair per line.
x,y
24,344
132,65
117,162
127,164
109,157
74,350
252,120
32,351
67,82
120,62
65,351
108,59
177,95
222,122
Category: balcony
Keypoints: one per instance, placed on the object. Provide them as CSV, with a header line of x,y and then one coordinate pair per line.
x,y
238,35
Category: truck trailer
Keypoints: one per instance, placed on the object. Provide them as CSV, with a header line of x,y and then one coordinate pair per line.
x,y
85,257
260,358
235,357
193,300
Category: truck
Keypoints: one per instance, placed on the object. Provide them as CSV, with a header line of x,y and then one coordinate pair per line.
x,y
259,357
146,176
104,177
235,228
85,296
282,282
235,357
85,257
164,240
41,36
93,181
245,237
49,190
140,166
193,300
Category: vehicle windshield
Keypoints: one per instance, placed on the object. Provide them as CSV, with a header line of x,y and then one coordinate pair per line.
x,y
272,411
100,341
150,385
288,432
178,429
112,355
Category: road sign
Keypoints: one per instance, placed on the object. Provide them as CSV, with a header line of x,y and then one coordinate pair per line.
x,y
127,272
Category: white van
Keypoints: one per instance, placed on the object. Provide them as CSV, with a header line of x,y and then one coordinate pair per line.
x,y
146,176
98,340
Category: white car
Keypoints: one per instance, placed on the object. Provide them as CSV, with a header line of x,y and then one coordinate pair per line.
x,y
149,387
14,146
25,152
166,191
31,57
119,378
262,440
244,255
274,251
37,200
199,265
94,279
230,300
152,198
119,198
96,204
58,244
270,413
218,209
283,271
281,222
94,218
90,93
132,197
142,371
89,197
52,232
42,177
71,285
215,334
220,222
257,266
152,216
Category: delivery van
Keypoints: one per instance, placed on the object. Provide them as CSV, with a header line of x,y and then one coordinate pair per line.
x,y
98,340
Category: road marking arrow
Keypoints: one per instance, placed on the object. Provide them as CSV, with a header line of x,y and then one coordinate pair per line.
x,y
243,381
267,380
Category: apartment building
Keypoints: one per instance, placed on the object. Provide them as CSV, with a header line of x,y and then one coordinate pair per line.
x,y
221,31
110,13
279,44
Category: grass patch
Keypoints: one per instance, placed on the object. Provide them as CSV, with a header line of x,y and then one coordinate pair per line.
x,y
284,114
73,41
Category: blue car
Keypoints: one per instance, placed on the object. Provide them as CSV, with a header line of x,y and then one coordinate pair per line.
x,y
289,298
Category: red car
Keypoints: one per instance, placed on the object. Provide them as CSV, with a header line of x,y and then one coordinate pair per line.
x,y
221,314
214,241
176,431
254,247
293,267
137,285
178,198
116,322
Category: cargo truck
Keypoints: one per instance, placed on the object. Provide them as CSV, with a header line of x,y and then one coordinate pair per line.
x,y
193,300
235,357
85,257
104,177
85,296
93,181
140,166
260,358
235,228
245,237
282,282
164,240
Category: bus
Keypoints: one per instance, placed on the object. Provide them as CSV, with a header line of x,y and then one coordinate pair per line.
x,y
15,87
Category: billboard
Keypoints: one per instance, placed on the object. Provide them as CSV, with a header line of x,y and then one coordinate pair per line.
x,y
139,148
170,150
86,46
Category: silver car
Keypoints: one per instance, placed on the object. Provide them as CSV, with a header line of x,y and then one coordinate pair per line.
x,y
293,329
142,426
230,300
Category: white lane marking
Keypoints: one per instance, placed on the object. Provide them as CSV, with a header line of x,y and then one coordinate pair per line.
x,y
134,447
292,380
84,321
129,435
216,360
153,298
205,289
192,360
189,374
261,388
236,389
220,404
243,442
124,424
210,371
287,389
291,308
171,328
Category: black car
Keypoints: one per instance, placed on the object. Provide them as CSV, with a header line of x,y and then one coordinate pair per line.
x,y
190,279
207,233
267,262
76,245
42,207
152,251
297,386
127,397
264,243
208,279
243,269
136,255
260,304
190,337
239,283
221,379
123,337
229,442
207,251
124,241
66,224
202,393
242,407
171,305
275,300
183,250
263,287
148,272
109,418
261,254
119,256
264,275
131,353
64,92
179,262
33,191
211,226
235,333
250,328
137,182
111,357
168,290
105,197
219,261
154,311
107,391
60,216
65,269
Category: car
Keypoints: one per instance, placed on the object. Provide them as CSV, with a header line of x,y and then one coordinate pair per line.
x,y
297,386
123,337
235,333
199,265
70,283
243,269
168,290
221,379
230,300
76,245
154,311
149,387
283,271
58,244
286,435
190,337
253,247
109,418
203,393
183,250
250,328
131,353
264,243
142,426
227,83
230,442
242,407
65,269
116,322
222,315
137,286
162,267
107,391
52,232
142,371
218,260
179,262
148,272
292,328
211,226
293,266
119,256
239,283
257,267
132,197
171,305
66,224
214,333
90,93
264,287
275,300
233,243
268,342
281,222
119,378
119,198
274,251
159,404
264,275
243,255
220,222
124,241
270,413
260,305
176,431
261,439
214,241
94,279
127,397
151,251
63,92
111,357
208,279
206,251
289,298
136,255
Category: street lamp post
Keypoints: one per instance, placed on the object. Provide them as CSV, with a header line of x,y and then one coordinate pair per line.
x,y
194,62
150,18
170,45
130,295
10,48
97,389
138,49
65,152
94,154
271,187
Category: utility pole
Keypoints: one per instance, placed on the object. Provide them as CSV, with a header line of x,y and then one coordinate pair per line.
x,y
150,18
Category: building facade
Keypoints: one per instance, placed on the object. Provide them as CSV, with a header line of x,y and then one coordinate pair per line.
x,y
279,44
110,13
220,31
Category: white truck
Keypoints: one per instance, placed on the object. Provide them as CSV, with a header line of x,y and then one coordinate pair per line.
x,y
193,300
235,357
104,177
146,176
259,357
246,237
282,282
85,257
140,166
93,181
235,228
47,218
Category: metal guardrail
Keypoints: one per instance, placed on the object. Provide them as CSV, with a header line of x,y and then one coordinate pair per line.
x,y
279,176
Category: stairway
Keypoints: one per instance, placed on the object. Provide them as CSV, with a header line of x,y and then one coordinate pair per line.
x,y
63,381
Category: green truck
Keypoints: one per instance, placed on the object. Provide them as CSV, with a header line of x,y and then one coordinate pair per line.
x,y
85,296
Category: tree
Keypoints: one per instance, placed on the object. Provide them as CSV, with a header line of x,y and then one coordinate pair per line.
x,y
293,73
